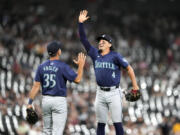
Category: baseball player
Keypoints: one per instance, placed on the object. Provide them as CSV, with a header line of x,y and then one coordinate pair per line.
x,y
107,66
52,76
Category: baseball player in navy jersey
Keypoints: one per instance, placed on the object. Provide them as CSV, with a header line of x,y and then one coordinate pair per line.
x,y
52,76
107,66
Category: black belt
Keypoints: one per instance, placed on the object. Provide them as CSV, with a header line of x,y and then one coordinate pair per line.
x,y
109,88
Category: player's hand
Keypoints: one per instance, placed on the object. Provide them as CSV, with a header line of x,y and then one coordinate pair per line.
x,y
81,59
83,16
135,88
29,106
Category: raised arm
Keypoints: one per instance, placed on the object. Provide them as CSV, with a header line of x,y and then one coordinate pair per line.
x,y
82,18
80,62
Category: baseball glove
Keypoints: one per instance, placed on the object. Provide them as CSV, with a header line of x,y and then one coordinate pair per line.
x,y
32,116
133,95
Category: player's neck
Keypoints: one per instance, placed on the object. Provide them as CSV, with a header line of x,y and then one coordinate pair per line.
x,y
54,58
104,52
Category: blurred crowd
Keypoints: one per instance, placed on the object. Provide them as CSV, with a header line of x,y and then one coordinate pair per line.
x,y
150,42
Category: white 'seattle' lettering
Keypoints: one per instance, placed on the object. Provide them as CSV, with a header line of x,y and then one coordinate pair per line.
x,y
104,65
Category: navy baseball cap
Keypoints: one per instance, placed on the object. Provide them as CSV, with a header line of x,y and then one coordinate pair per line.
x,y
105,37
53,47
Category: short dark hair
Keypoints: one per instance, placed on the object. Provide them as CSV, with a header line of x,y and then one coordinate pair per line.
x,y
112,48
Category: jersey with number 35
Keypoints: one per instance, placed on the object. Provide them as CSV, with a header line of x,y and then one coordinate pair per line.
x,y
53,75
108,67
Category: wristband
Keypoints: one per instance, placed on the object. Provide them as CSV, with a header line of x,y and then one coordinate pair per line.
x,y
30,101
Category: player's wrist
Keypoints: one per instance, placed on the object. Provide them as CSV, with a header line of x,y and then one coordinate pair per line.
x,y
81,65
81,21
135,88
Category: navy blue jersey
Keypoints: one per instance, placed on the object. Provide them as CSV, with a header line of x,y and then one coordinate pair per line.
x,y
53,75
108,67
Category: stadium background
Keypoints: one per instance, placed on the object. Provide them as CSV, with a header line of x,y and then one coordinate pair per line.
x,y
146,32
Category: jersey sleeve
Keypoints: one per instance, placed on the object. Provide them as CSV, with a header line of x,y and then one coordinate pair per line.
x,y
68,73
121,61
83,37
93,52
37,75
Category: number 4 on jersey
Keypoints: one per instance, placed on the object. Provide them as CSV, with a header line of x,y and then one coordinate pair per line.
x,y
113,75
49,80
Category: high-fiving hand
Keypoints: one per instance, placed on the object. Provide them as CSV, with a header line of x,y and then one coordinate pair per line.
x,y
83,16
81,59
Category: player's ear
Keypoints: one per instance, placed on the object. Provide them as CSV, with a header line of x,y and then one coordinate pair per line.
x,y
59,52
110,45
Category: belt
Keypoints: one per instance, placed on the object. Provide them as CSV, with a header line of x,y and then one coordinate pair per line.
x,y
109,88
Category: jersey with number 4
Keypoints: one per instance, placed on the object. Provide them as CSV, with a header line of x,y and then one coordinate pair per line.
x,y
53,75
108,67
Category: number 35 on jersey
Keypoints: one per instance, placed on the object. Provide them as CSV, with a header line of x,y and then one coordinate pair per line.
x,y
50,81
